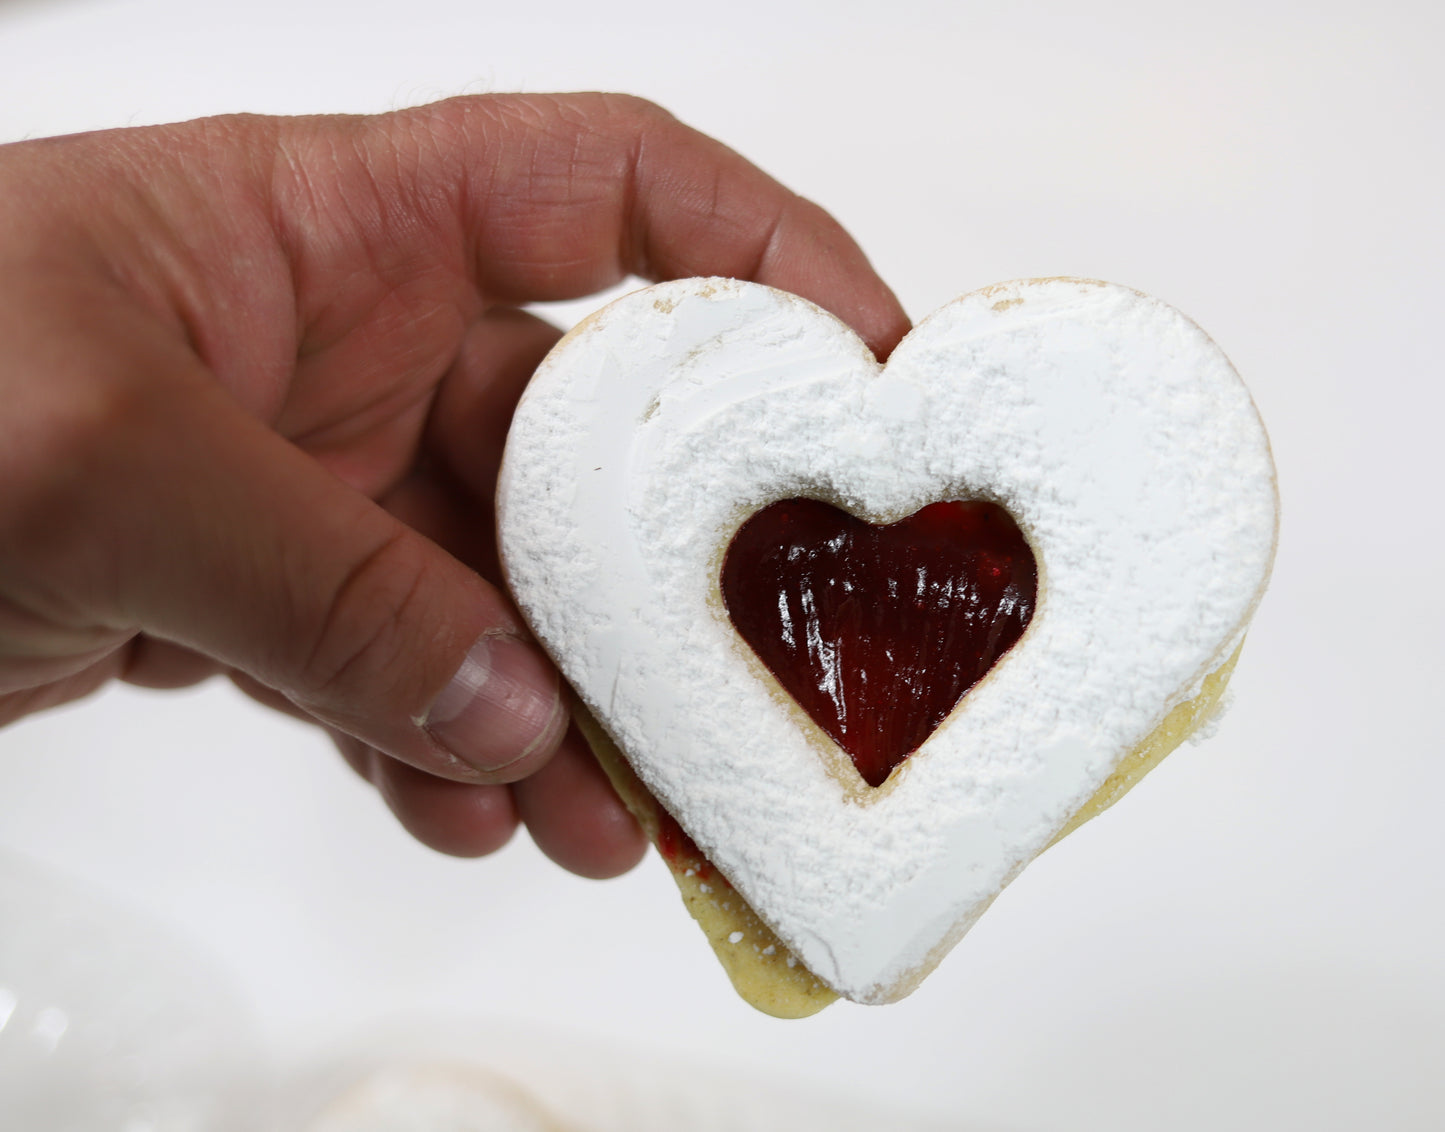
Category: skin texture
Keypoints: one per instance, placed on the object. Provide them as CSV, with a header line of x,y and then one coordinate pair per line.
x,y
256,376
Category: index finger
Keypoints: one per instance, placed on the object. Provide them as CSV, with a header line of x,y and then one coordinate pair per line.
x,y
563,195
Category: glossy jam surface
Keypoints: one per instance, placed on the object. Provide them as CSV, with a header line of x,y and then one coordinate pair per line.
x,y
878,631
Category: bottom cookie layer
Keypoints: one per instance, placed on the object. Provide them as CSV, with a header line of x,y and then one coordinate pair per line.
x,y
762,969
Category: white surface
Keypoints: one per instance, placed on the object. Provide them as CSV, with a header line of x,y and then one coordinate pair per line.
x,y
1109,426
1254,939
108,1022
411,1081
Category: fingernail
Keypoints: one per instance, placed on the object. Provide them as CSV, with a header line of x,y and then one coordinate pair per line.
x,y
502,705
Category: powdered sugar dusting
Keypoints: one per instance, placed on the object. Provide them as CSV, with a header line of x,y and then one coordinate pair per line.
x,y
1110,427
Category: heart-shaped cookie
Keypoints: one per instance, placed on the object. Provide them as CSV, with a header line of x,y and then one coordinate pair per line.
x,y
1103,423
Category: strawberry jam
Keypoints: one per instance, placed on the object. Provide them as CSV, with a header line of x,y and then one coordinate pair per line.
x,y
878,631
681,851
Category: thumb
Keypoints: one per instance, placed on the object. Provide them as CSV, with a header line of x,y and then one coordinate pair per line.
x,y
204,527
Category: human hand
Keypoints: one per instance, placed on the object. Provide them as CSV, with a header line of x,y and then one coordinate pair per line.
x,y
256,374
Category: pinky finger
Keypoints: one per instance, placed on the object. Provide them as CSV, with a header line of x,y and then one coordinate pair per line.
x,y
457,818
358,756
153,663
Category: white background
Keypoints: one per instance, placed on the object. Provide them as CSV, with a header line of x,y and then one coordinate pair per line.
x,y
1254,939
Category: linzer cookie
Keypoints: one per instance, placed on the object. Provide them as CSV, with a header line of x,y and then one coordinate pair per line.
x,y
857,642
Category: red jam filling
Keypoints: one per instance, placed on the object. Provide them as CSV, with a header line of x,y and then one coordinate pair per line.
x,y
878,631
681,851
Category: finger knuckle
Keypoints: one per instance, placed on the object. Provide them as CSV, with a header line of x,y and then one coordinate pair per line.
x,y
71,437
633,109
355,639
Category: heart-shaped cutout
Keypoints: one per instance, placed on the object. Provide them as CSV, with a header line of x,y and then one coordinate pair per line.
x,y
1112,430
877,631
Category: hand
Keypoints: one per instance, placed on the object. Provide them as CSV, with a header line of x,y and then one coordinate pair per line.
x,y
255,377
